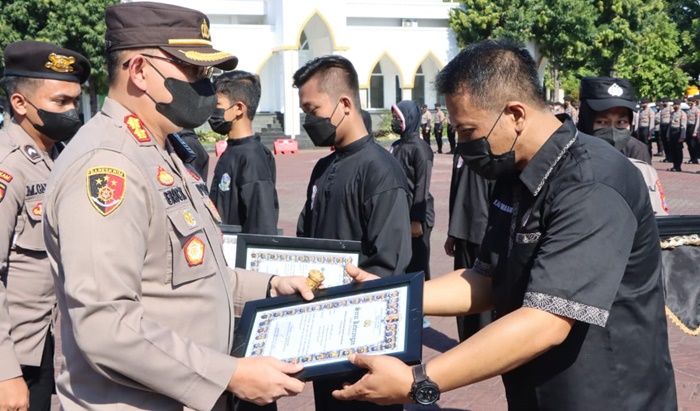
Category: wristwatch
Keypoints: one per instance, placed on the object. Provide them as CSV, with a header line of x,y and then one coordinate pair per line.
x,y
423,391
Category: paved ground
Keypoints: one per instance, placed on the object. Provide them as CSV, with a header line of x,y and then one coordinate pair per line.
x,y
683,190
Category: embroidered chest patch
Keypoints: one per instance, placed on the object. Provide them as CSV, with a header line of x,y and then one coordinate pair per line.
x,y
194,251
164,178
106,188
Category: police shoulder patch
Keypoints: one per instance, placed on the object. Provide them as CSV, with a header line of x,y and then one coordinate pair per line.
x,y
4,175
106,187
135,127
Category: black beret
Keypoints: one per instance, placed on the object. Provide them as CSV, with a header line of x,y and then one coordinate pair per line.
x,y
181,32
676,102
39,59
602,93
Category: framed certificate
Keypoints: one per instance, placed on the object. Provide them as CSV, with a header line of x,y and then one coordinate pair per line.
x,y
230,233
383,316
297,256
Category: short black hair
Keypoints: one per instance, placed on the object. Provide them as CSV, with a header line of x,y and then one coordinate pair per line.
x,y
17,84
492,72
336,72
114,64
240,86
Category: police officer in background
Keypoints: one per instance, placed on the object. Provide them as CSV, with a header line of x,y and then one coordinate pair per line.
x,y
607,107
426,123
664,123
359,192
42,82
691,131
645,123
147,302
440,121
676,135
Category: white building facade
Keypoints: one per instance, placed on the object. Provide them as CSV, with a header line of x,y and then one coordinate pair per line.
x,y
396,46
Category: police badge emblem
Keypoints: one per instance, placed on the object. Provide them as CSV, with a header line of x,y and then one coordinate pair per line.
x,y
106,187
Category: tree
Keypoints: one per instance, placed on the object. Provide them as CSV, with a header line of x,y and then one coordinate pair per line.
x,y
482,19
686,15
78,26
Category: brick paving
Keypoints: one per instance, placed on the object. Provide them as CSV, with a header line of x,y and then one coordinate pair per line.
x,y
682,189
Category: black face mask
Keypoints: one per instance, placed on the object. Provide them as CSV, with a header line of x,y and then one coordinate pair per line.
x,y
57,126
217,122
192,103
618,137
396,126
478,156
320,129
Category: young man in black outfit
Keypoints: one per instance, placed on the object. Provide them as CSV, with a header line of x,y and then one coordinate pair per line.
x,y
358,192
243,187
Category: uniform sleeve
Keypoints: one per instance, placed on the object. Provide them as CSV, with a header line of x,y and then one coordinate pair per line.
x,y
260,207
423,169
102,261
388,233
652,122
249,285
684,121
10,205
583,254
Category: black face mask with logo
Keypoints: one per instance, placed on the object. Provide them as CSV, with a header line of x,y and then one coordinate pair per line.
x,y
478,156
58,127
320,129
192,104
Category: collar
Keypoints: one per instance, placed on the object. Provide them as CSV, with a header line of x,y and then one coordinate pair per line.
x,y
241,141
129,121
20,139
537,171
354,147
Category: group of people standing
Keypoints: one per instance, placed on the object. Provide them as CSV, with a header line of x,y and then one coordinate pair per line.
x,y
552,230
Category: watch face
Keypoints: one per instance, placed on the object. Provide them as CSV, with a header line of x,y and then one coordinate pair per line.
x,y
427,394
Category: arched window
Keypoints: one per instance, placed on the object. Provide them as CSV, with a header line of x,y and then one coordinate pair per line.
x,y
376,88
419,86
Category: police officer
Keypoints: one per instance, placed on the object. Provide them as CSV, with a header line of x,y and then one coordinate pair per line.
x,y
664,122
607,107
676,135
570,260
146,300
416,159
243,188
426,123
438,126
359,192
691,131
42,82
645,123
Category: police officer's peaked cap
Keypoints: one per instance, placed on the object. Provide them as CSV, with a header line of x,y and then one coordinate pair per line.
x,y
181,32
602,93
38,59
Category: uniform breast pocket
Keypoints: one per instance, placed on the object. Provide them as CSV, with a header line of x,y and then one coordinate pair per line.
x,y
31,237
524,250
192,259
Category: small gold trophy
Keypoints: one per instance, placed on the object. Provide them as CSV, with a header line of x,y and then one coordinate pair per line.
x,y
314,279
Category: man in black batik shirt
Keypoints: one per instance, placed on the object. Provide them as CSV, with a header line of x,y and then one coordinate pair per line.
x,y
358,192
570,261
243,187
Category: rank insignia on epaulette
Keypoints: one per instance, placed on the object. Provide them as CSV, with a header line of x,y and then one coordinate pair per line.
x,y
38,209
3,188
106,187
194,251
164,178
135,127
60,63
4,175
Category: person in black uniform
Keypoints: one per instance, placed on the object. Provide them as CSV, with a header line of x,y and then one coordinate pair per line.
x,y
468,214
570,261
607,108
192,153
359,192
416,159
243,186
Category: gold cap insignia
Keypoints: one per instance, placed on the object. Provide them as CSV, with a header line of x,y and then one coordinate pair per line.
x,y
205,30
60,63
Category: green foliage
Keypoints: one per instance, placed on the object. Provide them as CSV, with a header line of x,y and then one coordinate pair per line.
x,y
208,136
482,19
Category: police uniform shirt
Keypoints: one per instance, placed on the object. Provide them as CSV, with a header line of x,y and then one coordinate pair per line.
x,y
575,235
679,119
243,188
665,115
146,299
646,118
24,266
469,202
359,192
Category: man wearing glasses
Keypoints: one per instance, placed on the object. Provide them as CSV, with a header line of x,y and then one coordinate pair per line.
x,y
146,298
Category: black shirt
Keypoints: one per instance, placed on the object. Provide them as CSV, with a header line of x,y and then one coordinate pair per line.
x,y
200,161
359,193
574,234
469,202
416,158
243,188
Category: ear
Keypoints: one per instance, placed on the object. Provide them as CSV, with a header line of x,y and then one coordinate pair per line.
x,y
239,109
517,111
137,74
19,104
346,104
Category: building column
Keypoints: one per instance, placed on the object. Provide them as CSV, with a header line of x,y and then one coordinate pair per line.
x,y
364,102
406,94
290,64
